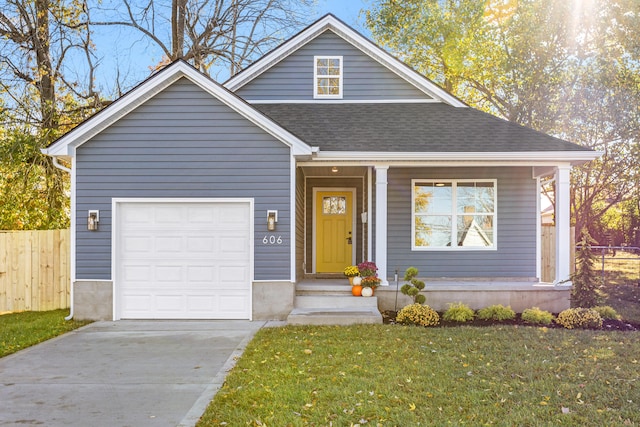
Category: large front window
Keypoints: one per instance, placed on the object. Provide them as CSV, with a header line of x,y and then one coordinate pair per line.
x,y
454,214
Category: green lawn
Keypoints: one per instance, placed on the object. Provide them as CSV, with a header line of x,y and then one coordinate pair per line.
x,y
22,330
393,375
622,284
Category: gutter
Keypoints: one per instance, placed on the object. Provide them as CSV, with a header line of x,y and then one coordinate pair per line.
x,y
58,165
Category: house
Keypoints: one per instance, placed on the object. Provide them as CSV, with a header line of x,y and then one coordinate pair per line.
x,y
192,199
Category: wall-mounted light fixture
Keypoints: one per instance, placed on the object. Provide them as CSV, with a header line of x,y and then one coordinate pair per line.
x,y
272,219
334,169
93,218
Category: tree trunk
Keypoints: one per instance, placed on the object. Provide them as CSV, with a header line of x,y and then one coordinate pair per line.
x,y
46,83
177,28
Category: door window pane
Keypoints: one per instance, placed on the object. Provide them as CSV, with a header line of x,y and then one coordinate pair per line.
x,y
334,205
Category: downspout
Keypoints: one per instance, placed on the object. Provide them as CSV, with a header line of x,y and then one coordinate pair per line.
x,y
67,170
60,166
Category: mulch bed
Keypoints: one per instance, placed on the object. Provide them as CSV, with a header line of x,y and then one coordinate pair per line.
x,y
389,318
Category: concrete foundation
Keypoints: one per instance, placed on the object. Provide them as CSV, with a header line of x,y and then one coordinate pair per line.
x,y
93,300
272,300
518,295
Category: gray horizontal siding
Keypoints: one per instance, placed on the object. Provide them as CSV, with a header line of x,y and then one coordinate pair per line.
x,y
183,143
364,78
516,226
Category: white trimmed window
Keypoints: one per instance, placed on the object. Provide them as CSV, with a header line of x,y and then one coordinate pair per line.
x,y
453,214
327,77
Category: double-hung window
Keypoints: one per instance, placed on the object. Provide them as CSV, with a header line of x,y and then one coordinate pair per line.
x,y
327,76
453,214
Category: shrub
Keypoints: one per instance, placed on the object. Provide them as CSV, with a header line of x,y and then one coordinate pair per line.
x,y
418,314
583,318
536,316
496,312
607,312
458,312
413,288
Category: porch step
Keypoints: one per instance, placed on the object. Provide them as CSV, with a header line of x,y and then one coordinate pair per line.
x,y
332,304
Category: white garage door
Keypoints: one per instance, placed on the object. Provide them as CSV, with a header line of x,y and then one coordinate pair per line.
x,y
183,260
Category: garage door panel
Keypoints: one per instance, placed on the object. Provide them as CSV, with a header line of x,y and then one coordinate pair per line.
x,y
184,261
167,244
205,245
168,215
140,244
169,273
230,305
137,273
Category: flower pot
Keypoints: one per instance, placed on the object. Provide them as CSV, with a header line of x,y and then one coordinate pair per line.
x,y
356,290
351,280
367,292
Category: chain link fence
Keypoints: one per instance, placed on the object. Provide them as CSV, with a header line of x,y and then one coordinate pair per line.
x,y
618,264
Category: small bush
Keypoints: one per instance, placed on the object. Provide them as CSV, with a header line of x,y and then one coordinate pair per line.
x,y
418,314
496,312
583,318
458,312
413,288
537,316
607,312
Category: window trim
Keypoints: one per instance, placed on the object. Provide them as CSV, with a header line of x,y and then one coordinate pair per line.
x,y
340,77
454,215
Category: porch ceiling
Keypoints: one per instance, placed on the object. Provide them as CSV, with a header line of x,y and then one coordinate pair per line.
x,y
325,170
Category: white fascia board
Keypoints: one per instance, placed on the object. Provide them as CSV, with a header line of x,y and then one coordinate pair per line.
x,y
276,55
362,43
532,158
103,119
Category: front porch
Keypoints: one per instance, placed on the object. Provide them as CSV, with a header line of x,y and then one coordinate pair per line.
x,y
329,300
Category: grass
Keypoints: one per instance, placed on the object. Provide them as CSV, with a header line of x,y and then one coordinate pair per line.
x,y
393,375
22,330
622,284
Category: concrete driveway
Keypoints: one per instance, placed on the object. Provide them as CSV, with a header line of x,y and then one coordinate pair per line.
x,y
125,373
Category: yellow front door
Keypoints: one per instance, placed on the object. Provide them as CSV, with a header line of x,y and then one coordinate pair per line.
x,y
334,231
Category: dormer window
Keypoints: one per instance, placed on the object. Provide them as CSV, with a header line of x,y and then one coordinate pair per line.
x,y
327,73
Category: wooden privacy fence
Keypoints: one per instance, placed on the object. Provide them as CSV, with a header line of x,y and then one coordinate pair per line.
x,y
34,270
548,243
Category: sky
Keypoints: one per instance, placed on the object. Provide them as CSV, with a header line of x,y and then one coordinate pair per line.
x,y
132,55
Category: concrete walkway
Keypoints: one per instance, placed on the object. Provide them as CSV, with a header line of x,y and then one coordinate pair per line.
x,y
125,373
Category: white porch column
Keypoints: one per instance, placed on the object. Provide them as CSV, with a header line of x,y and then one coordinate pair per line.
x,y
563,224
381,222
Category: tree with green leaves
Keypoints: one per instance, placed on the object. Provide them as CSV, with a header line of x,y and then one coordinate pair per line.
x,y
558,66
49,67
41,43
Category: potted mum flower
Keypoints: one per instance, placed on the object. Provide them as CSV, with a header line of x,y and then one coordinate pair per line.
x,y
367,269
351,272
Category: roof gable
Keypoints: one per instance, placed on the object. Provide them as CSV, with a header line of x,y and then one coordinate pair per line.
x,y
333,24
65,145
364,79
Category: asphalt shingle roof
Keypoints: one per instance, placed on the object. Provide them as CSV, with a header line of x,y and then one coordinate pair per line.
x,y
408,127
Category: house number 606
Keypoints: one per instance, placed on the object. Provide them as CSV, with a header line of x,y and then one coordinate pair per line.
x,y
272,240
